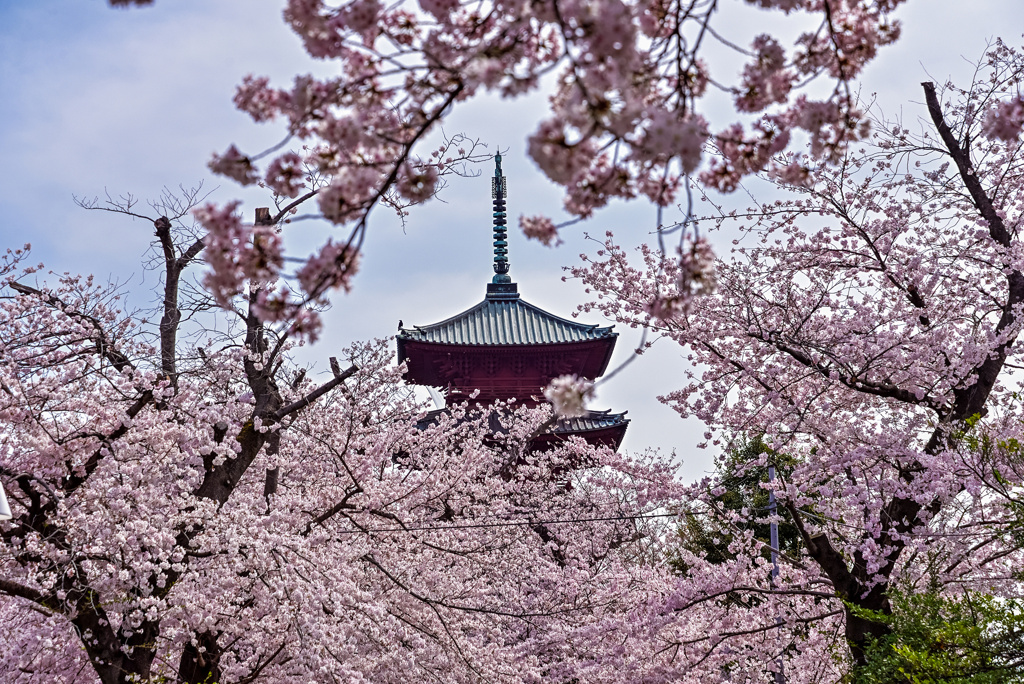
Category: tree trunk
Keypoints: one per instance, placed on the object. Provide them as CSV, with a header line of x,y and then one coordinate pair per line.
x,y
200,662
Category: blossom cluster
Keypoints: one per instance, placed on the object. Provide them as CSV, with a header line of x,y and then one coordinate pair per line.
x,y
237,252
540,228
1005,120
568,395
344,187
625,117
866,328
378,530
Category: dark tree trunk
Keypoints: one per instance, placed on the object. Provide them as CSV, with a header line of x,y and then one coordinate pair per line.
x,y
200,662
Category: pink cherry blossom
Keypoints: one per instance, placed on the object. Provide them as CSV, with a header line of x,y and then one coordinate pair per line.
x,y
665,136
1005,120
257,99
236,251
867,327
359,15
417,183
767,80
235,166
626,117
286,175
333,267
349,192
540,228
568,394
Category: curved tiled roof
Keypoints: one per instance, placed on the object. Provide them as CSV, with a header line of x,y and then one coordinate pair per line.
x,y
593,420
495,322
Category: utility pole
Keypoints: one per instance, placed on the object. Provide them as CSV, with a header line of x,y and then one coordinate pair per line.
x,y
773,526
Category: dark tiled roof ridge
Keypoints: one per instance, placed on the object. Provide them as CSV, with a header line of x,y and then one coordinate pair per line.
x,y
593,420
498,322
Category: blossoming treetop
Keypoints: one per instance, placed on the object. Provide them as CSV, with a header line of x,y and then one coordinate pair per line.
x,y
625,120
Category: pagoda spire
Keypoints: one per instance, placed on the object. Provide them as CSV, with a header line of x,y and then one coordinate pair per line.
x,y
498,189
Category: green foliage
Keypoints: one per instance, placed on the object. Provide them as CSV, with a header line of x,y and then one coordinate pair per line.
x,y
704,534
946,640
1002,463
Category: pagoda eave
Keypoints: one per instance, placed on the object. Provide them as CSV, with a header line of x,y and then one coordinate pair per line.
x,y
597,428
610,437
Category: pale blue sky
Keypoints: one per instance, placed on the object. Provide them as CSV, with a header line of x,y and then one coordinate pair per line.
x,y
131,101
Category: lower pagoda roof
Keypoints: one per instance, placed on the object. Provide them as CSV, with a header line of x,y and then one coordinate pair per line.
x,y
593,420
596,427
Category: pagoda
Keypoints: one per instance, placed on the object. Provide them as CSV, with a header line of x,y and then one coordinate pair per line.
x,y
506,348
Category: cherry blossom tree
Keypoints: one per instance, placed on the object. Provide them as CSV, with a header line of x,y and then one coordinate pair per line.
x,y
628,79
208,513
193,508
868,326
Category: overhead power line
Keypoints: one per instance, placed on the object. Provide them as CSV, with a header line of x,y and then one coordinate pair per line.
x,y
508,523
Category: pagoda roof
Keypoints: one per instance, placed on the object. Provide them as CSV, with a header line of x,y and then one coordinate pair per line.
x,y
591,422
505,322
